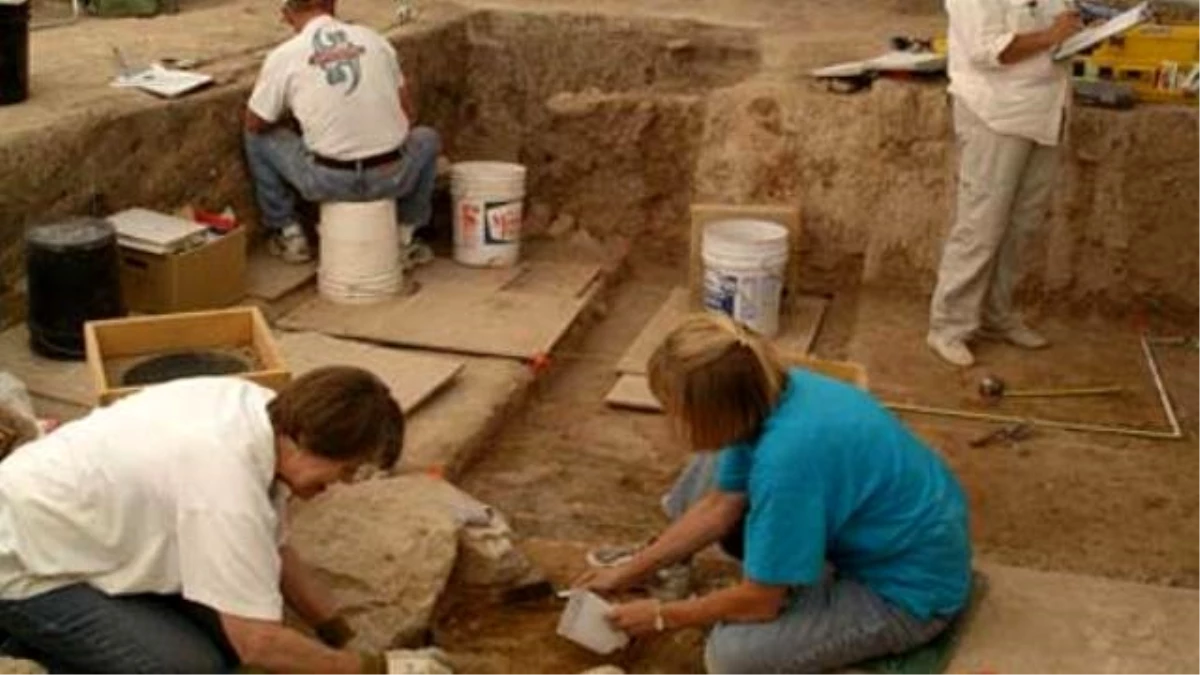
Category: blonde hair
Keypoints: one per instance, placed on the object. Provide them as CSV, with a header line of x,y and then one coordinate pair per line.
x,y
717,380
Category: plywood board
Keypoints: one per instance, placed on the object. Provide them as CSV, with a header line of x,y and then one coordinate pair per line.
x,y
703,214
632,391
801,323
799,328
413,376
269,278
63,381
666,318
515,314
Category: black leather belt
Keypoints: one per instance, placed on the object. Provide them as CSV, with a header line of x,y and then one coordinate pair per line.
x,y
364,163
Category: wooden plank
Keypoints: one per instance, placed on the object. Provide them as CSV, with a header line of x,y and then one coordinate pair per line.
x,y
114,344
632,391
703,214
801,324
516,314
270,278
799,329
666,318
133,336
62,381
413,376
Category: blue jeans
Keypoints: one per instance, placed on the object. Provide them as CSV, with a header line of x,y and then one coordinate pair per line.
x,y
281,165
79,629
828,625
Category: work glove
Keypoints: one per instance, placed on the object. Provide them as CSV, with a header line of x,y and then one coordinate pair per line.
x,y
428,661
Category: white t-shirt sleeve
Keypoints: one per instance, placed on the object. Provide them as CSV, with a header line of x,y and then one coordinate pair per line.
x,y
984,27
269,99
229,561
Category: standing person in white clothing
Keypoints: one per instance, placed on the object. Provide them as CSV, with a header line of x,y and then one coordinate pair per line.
x,y
149,537
343,86
1010,98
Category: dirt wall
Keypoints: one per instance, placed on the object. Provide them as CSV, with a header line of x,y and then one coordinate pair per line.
x,y
874,176
605,111
169,153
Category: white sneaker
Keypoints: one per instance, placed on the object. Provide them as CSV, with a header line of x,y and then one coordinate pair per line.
x,y
951,351
290,245
1019,334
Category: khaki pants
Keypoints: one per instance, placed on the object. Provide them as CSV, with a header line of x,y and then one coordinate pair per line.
x,y
1004,187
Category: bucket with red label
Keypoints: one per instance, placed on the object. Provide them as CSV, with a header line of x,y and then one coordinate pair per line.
x,y
488,206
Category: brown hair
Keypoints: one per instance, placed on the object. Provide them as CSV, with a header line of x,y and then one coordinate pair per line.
x,y
340,413
717,380
15,430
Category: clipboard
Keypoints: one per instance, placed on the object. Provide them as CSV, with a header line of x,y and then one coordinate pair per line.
x,y
1093,35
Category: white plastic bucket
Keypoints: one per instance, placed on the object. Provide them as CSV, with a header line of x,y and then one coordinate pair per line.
x,y
360,252
488,207
744,263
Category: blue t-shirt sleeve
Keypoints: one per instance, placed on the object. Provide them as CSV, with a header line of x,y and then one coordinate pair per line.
x,y
733,468
785,531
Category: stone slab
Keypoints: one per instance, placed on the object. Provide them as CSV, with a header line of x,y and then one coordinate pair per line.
x,y
1050,622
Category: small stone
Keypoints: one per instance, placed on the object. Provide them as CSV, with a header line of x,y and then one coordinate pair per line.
x,y
561,226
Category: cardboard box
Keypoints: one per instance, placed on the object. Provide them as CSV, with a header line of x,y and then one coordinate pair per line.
x,y
212,275
114,345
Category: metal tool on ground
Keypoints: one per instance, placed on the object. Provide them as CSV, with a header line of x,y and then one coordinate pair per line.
x,y
1174,433
993,389
1010,433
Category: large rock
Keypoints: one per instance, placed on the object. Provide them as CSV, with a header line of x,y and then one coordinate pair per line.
x,y
386,547
20,666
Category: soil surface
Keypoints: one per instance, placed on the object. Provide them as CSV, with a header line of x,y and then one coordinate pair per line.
x,y
572,473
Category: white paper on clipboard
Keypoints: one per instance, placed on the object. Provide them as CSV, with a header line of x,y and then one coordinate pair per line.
x,y
1094,35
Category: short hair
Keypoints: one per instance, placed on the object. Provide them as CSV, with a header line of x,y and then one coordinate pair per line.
x,y
15,430
717,380
340,413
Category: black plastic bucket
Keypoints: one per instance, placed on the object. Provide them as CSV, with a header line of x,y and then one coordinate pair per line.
x,y
14,52
73,276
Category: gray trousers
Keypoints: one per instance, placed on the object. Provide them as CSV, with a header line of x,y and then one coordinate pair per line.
x,y
835,623
1004,188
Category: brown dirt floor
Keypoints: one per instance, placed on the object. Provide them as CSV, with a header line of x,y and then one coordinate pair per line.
x,y
572,473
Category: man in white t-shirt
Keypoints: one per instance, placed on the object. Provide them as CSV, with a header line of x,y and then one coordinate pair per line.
x,y
148,536
1010,100
342,85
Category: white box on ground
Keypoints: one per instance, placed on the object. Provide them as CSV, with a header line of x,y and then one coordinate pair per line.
x,y
154,232
585,622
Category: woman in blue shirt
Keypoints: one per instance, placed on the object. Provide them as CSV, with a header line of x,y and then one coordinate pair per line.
x,y
852,533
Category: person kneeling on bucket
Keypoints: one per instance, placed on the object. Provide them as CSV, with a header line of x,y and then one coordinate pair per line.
x,y
852,534
149,536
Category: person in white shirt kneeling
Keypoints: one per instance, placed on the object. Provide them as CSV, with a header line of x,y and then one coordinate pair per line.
x,y
149,536
342,84
1010,99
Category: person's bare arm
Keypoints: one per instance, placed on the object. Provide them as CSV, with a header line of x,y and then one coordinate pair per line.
x,y
747,602
277,648
1025,45
310,598
706,522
